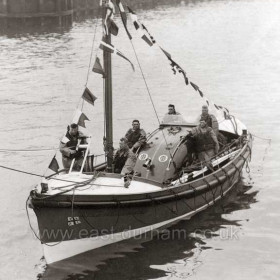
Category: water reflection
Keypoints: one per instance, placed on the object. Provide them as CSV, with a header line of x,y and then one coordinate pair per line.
x,y
147,258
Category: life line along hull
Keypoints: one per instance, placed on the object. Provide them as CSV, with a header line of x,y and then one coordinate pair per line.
x,y
100,220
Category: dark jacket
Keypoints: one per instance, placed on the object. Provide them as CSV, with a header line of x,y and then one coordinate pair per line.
x,y
135,136
205,139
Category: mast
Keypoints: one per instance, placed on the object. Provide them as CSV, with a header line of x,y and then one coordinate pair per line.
x,y
108,98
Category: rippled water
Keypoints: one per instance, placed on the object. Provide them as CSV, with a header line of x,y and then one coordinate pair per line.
x,y
231,49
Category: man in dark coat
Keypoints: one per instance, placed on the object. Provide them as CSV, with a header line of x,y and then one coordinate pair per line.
x,y
68,147
210,120
135,136
206,143
124,159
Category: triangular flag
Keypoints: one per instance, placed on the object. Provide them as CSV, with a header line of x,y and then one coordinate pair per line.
x,y
124,17
97,67
113,28
54,165
88,96
194,86
200,92
82,119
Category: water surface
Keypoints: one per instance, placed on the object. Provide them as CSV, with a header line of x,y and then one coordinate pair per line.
x,y
231,49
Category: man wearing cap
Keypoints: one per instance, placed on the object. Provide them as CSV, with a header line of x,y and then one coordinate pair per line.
x,y
68,147
210,120
135,136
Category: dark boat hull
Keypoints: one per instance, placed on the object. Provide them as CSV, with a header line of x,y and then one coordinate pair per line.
x,y
97,221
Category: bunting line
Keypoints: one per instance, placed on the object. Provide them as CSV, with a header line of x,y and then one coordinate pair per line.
x,y
176,68
145,35
141,29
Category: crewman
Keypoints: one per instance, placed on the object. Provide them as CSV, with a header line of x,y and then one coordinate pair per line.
x,y
210,120
206,143
68,147
124,159
171,110
135,136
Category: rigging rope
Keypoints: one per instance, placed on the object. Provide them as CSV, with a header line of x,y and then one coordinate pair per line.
x,y
150,96
21,171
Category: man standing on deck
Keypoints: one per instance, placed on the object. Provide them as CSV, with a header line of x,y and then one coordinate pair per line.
x,y
210,120
135,136
68,147
206,143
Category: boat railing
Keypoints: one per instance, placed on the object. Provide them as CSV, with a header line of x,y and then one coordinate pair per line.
x,y
81,146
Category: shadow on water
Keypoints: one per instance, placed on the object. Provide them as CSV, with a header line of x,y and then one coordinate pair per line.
x,y
138,258
17,26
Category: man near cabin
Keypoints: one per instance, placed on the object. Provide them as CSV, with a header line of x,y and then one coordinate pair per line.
x,y
168,117
206,143
124,159
68,147
210,120
135,136
172,110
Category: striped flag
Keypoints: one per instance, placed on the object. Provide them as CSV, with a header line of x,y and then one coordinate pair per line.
x,y
110,48
123,17
141,29
88,96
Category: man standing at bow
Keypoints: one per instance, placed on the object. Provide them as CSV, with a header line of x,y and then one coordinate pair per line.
x,y
135,136
68,147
